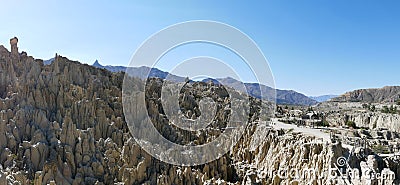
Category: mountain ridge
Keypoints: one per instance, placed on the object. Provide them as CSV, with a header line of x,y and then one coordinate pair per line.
x,y
371,95
282,96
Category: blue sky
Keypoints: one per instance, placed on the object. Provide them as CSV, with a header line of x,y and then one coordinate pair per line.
x,y
314,47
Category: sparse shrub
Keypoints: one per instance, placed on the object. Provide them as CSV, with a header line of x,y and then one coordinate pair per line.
x,y
380,149
369,107
351,124
323,123
392,109
385,109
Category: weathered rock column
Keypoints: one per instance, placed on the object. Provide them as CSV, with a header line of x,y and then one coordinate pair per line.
x,y
14,47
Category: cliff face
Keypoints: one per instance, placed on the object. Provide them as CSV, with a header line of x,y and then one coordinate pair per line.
x,y
283,158
371,120
385,94
340,113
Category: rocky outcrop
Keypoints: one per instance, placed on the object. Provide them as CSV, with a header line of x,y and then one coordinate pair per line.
x,y
371,172
371,120
59,121
284,158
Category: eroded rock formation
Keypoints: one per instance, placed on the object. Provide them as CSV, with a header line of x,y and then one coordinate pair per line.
x,y
63,123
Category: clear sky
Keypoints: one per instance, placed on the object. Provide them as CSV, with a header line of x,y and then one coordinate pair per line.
x,y
315,47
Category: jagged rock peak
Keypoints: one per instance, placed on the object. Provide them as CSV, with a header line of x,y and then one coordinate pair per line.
x,y
97,64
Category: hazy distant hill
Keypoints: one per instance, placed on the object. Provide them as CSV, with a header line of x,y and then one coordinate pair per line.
x,y
108,67
323,98
375,95
293,97
141,72
282,96
48,62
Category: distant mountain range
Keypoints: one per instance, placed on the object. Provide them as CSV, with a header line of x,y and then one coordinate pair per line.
x,y
282,96
375,95
48,62
323,98
108,67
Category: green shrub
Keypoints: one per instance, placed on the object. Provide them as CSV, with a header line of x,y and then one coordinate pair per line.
x,y
351,124
392,109
380,149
